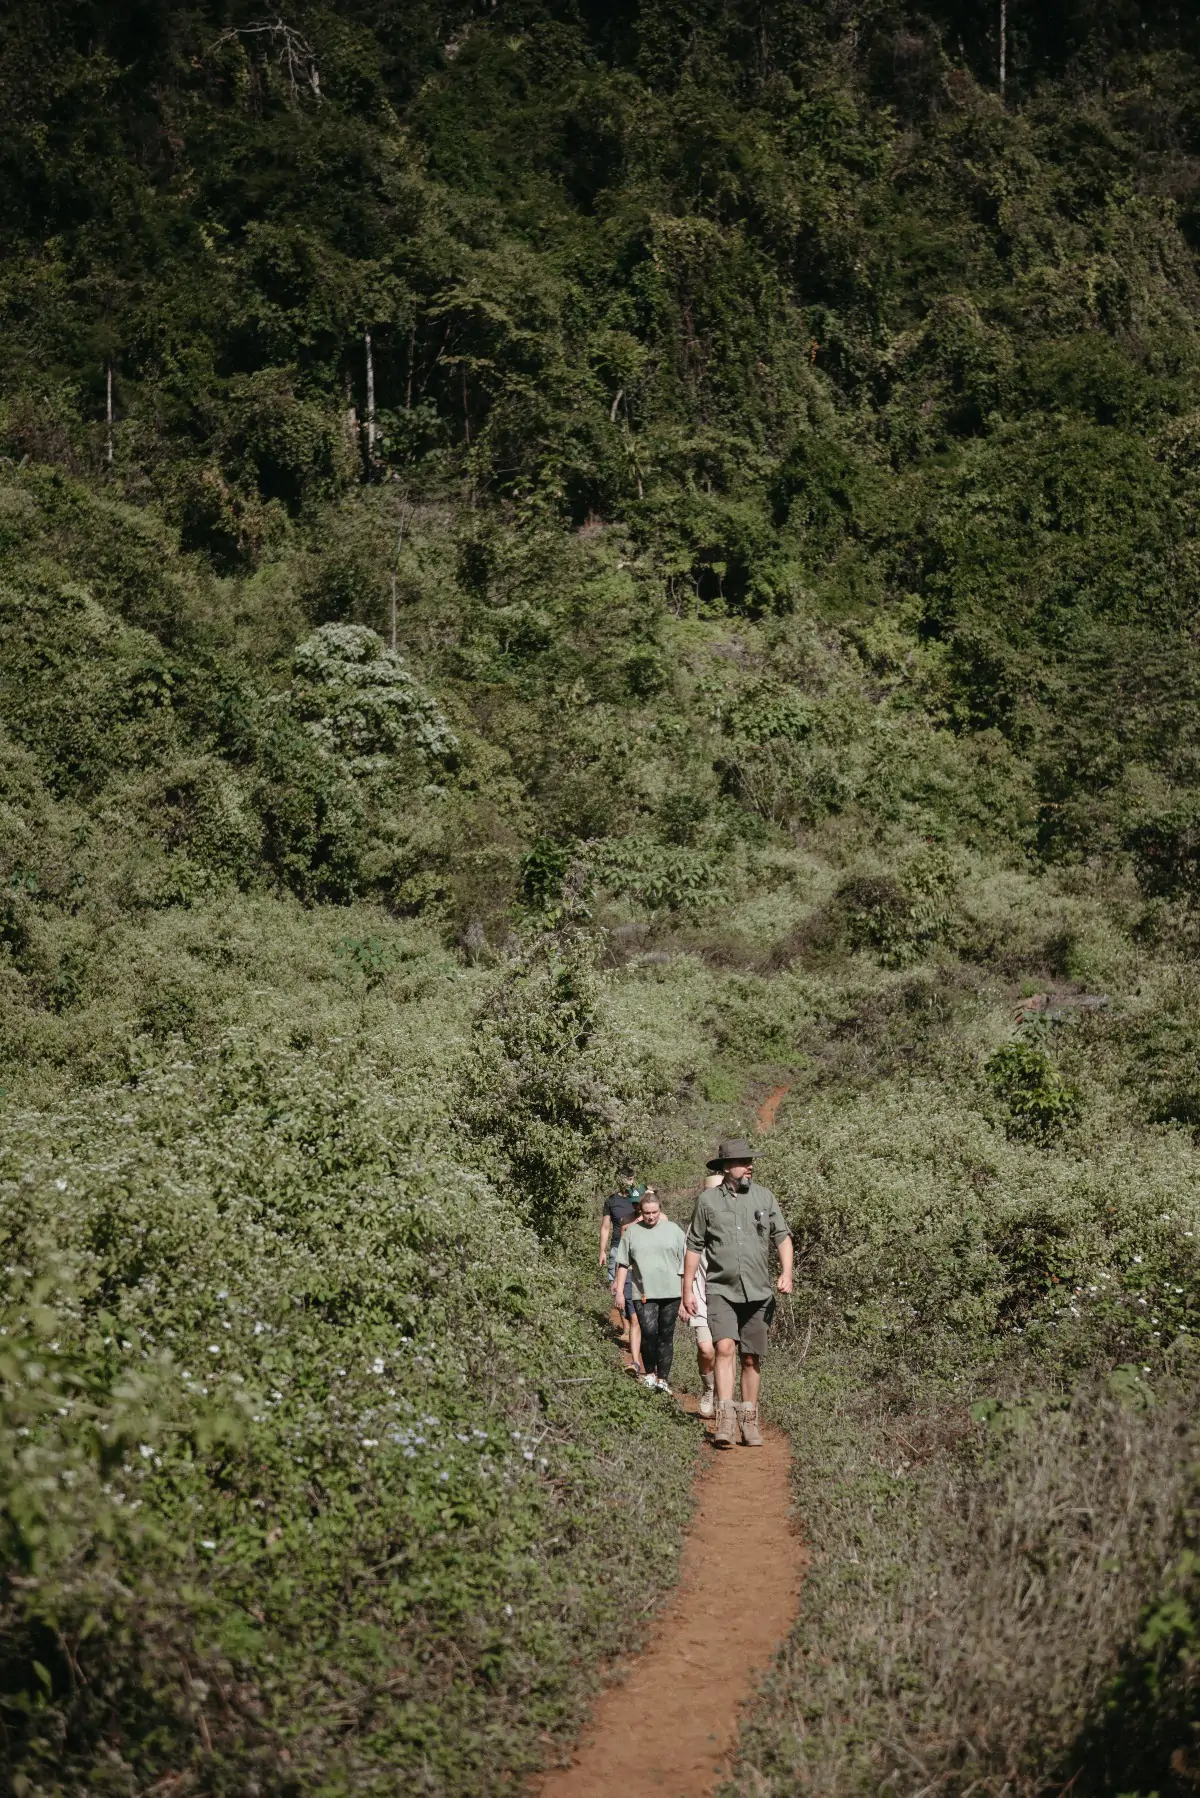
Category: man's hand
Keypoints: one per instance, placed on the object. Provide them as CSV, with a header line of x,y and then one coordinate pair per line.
x,y
603,1257
787,1255
784,1282
687,1299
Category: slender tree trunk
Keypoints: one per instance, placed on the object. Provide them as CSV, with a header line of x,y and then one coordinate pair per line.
x,y
466,409
412,350
1003,46
108,416
393,614
370,399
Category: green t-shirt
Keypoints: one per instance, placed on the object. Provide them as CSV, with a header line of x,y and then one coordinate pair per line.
x,y
655,1258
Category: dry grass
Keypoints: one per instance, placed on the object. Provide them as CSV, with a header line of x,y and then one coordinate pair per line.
x,y
993,1608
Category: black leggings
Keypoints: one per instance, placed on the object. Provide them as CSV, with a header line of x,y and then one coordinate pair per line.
x,y
657,1318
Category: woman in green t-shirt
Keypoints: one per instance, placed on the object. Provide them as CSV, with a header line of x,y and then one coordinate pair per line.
x,y
651,1256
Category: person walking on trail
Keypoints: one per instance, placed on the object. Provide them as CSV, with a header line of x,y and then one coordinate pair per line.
x,y
734,1225
619,1208
706,1355
651,1254
623,1305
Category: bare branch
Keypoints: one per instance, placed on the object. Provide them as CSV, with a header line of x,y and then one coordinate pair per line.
x,y
293,52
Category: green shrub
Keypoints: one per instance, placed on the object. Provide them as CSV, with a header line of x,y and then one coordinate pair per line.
x,y
660,878
543,1092
277,1483
1039,1103
902,916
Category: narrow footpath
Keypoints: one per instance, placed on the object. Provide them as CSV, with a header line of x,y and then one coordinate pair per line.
x,y
669,1730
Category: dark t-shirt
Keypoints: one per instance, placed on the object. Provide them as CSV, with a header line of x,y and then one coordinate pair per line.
x,y
620,1207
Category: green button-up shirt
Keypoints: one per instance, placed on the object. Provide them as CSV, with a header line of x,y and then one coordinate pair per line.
x,y
737,1229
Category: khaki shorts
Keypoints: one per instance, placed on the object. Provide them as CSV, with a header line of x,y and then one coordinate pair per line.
x,y
745,1323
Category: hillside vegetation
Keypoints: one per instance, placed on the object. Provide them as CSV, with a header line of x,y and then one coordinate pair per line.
x,y
562,567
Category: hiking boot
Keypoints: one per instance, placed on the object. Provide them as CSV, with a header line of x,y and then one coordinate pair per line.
x,y
708,1399
725,1434
747,1416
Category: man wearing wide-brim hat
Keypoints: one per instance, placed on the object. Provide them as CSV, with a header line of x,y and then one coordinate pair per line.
x,y
735,1223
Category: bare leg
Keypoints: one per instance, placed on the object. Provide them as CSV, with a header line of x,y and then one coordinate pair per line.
x,y
724,1353
706,1359
750,1378
635,1340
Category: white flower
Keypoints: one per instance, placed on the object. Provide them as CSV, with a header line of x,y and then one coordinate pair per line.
x,y
205,1543
377,1365
61,1185
370,1442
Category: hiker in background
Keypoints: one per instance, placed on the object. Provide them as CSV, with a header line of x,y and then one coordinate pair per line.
x,y
624,1306
735,1224
618,1210
651,1255
706,1355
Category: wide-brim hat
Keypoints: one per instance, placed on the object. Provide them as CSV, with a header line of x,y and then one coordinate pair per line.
x,y
737,1150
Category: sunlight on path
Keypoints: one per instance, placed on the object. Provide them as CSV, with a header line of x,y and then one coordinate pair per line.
x,y
671,1727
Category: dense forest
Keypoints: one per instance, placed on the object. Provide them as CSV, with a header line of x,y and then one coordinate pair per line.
x,y
564,565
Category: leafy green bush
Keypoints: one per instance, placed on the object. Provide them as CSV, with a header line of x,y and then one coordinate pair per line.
x,y
361,704
543,1092
1039,1103
278,1483
658,877
903,916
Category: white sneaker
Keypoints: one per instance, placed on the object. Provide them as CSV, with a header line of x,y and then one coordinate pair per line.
x,y
650,1382
708,1403
663,1387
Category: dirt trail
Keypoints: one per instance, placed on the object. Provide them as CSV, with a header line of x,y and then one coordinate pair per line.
x,y
671,1728
669,1731
770,1106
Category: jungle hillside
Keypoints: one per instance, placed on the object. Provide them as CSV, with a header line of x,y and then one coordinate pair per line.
x,y
565,567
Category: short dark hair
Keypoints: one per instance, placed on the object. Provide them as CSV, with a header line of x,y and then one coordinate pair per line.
x,y
625,1173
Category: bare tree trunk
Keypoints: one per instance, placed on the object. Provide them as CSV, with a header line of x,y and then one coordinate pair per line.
x,y
412,350
393,614
466,410
108,415
370,400
1003,46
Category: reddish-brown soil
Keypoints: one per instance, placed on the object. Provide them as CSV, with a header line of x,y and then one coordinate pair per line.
x,y
669,1728
770,1106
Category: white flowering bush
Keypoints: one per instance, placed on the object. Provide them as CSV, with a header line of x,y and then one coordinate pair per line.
x,y
283,1437
362,704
